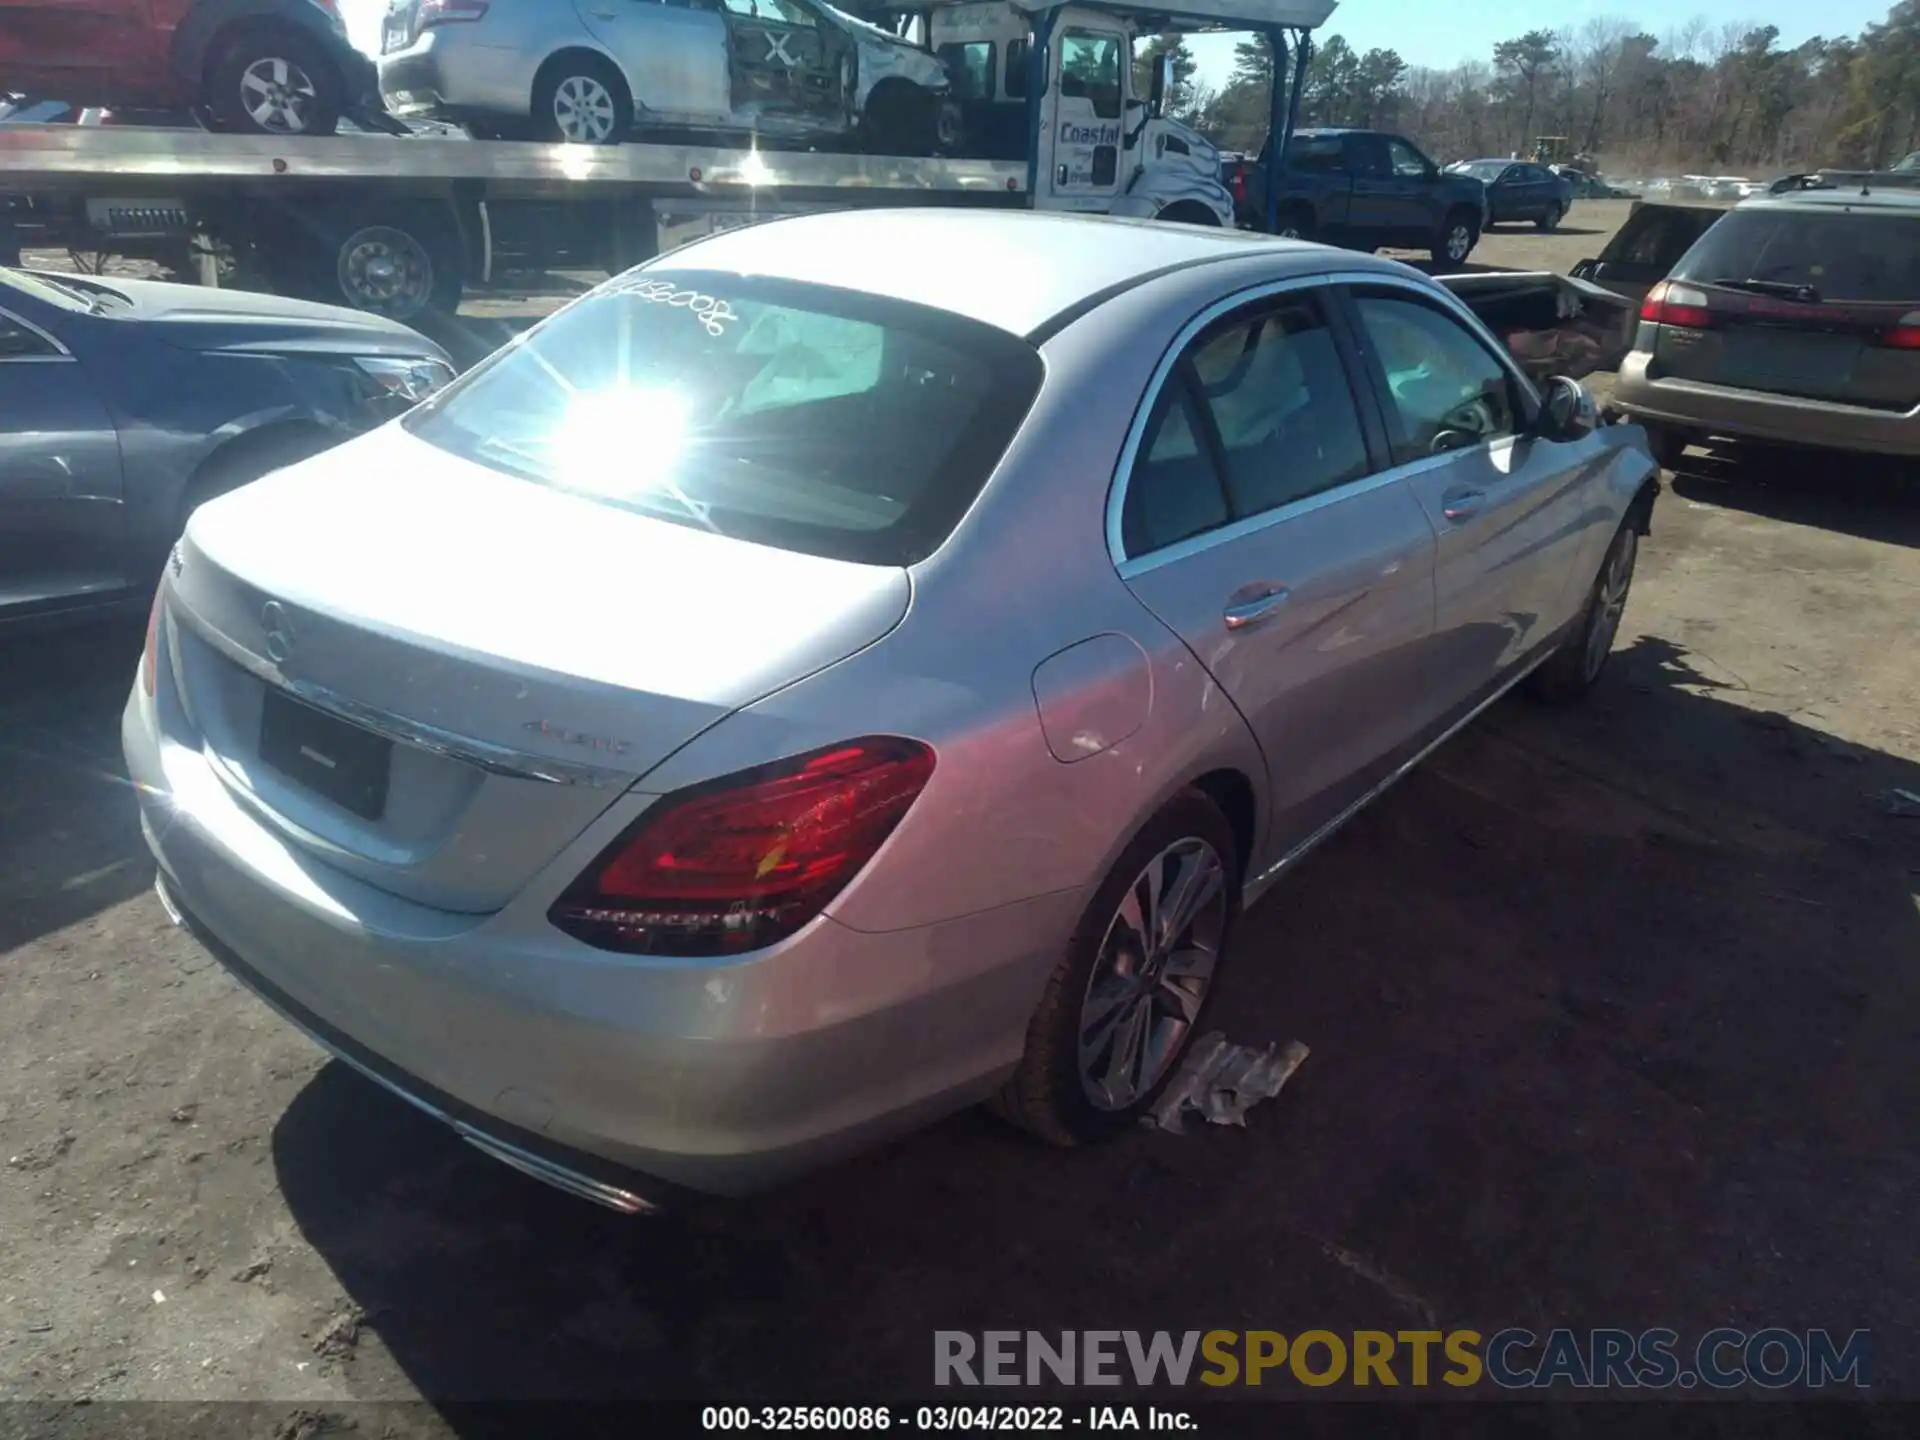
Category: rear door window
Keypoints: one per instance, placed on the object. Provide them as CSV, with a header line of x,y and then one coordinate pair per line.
x,y
795,415
1845,257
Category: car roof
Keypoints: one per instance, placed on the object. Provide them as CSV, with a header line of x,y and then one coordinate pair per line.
x,y
1849,198
1017,270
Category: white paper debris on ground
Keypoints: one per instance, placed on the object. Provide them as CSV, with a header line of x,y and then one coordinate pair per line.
x,y
1221,1081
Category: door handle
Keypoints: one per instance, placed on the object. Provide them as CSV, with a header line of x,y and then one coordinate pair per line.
x,y
1458,505
1241,613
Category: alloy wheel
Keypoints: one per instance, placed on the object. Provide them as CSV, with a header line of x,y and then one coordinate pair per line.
x,y
1152,974
1610,600
279,96
583,109
1459,243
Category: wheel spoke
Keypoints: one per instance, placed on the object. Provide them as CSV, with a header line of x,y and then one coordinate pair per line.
x,y
1101,1015
1199,883
1176,999
1121,1081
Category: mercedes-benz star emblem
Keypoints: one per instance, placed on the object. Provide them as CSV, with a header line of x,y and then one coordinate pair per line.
x,y
279,631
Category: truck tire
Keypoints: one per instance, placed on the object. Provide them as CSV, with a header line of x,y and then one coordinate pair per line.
x,y
1458,234
1295,223
272,80
402,262
580,98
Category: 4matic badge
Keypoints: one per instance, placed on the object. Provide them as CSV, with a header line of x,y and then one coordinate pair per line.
x,y
603,744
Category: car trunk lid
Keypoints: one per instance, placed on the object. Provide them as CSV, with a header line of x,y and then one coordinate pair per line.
x,y
435,676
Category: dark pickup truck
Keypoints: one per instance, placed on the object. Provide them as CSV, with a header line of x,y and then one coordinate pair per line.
x,y
1363,190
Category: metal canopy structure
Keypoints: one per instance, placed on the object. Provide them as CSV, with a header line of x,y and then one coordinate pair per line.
x,y
1198,15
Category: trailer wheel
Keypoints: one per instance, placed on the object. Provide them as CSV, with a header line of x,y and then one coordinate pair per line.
x,y
401,263
579,97
271,81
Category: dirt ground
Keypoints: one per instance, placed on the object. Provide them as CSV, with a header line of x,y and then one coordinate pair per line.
x,y
1612,1017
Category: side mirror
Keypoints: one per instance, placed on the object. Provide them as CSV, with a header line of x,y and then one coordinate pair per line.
x,y
1162,86
1569,412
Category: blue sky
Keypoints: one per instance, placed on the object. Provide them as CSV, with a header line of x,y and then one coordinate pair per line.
x,y
1442,33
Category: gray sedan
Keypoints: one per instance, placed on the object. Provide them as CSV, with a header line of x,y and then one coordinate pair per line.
x,y
591,71
126,403
852,667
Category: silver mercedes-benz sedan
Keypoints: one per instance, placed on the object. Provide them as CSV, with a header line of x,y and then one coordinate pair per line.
x,y
852,667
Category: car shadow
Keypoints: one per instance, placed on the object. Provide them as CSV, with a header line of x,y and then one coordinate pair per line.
x,y
1610,1013
1870,498
70,843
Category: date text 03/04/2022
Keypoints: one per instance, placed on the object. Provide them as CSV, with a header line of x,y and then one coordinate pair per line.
x,y
938,1419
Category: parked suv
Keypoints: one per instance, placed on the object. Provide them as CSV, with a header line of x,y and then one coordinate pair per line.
x,y
1795,320
592,71
273,67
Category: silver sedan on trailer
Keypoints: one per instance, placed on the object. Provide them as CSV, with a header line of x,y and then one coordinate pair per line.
x,y
590,71
852,667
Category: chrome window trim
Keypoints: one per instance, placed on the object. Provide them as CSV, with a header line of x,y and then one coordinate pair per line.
x,y
61,354
1130,566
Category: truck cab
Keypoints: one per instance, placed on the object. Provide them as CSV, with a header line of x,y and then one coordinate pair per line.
x,y
1093,144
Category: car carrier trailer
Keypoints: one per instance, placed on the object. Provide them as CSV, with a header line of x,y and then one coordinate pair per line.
x,y
404,225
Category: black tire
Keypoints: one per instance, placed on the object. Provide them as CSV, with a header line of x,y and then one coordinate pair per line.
x,y
405,264
1295,224
272,80
1046,1096
1550,222
583,99
1457,236
1572,671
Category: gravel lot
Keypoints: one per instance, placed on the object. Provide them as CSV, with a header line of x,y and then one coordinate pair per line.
x,y
1612,1017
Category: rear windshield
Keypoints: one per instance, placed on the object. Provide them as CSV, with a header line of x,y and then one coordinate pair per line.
x,y
1868,258
800,416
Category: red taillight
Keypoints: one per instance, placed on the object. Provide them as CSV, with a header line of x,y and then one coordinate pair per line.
x,y
150,657
744,861
450,12
1905,334
1682,305
1240,183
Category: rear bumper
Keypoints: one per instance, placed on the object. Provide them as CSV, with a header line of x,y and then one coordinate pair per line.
x,y
435,79
584,1067
574,1171
1758,415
